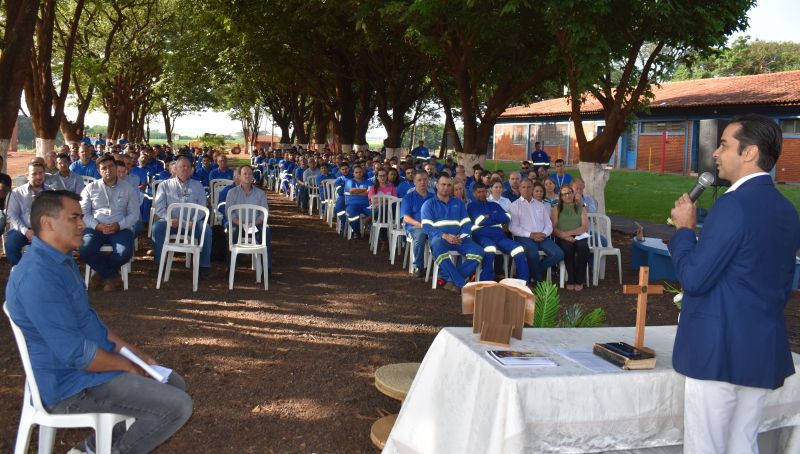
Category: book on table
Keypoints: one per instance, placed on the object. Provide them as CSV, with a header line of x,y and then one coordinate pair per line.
x,y
518,358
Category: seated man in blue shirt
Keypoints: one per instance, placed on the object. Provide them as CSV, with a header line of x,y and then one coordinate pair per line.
x,y
420,152
181,189
110,212
411,211
357,201
222,171
560,178
75,358
447,224
85,167
203,171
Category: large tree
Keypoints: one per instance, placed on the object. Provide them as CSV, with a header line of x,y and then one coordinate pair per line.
x,y
743,57
45,103
17,41
484,55
615,50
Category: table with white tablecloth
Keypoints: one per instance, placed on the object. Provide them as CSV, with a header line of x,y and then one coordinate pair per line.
x,y
462,401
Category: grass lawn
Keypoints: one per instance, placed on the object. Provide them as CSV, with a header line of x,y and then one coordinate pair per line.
x,y
649,196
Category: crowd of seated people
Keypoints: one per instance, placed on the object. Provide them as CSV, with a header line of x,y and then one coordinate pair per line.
x,y
444,211
118,185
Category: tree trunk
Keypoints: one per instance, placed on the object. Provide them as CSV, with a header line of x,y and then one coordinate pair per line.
x,y
4,143
20,23
469,159
169,124
596,176
347,109
44,146
70,130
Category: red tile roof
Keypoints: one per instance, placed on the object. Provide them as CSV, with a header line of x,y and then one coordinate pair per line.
x,y
781,88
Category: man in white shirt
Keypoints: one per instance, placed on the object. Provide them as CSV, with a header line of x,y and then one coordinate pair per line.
x,y
531,227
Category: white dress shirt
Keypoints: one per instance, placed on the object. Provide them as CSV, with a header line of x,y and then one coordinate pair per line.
x,y
529,217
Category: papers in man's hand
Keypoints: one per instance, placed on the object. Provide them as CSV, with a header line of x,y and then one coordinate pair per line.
x,y
515,358
582,236
463,235
160,373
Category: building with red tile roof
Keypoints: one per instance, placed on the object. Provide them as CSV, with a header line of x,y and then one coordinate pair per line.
x,y
687,111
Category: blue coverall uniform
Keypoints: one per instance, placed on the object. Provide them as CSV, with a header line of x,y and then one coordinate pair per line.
x,y
487,231
439,218
356,205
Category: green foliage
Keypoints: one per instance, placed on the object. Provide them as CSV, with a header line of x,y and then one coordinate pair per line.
x,y
742,58
211,140
547,305
593,319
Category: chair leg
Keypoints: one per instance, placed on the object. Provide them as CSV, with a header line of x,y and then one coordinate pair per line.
x,y
265,267
88,275
428,266
195,270
103,434
435,275
124,271
562,271
160,269
24,434
231,270
170,258
257,265
47,439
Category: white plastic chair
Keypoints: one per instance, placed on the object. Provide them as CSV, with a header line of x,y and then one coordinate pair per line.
x,y
88,179
248,241
313,197
124,270
397,233
216,186
431,264
328,187
184,240
383,213
600,227
153,188
34,413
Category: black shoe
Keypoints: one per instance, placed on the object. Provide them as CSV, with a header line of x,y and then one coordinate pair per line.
x,y
420,272
205,272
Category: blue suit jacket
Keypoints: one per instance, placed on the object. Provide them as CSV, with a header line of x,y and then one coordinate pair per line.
x,y
736,281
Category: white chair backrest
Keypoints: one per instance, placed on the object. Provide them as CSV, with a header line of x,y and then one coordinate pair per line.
x,y
26,362
154,186
599,226
187,215
398,217
383,208
248,215
329,189
87,179
216,186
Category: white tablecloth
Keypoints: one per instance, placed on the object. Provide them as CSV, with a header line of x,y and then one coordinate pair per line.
x,y
462,401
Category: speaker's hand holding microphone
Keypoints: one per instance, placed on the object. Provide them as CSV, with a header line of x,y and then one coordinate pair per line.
x,y
685,213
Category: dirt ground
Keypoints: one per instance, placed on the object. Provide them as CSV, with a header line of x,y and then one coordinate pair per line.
x,y
291,369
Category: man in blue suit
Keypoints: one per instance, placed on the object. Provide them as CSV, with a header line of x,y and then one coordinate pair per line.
x,y
732,343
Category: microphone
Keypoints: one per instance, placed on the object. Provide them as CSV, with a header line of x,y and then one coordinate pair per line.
x,y
705,180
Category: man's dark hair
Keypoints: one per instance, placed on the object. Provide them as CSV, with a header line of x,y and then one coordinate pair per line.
x,y
478,185
762,132
179,159
559,161
443,175
476,167
120,163
106,158
50,204
62,156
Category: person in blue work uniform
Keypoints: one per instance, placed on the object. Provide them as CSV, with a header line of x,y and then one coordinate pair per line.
x,y
487,230
411,211
539,157
446,223
340,207
406,183
357,201
85,167
203,171
222,171
287,171
421,152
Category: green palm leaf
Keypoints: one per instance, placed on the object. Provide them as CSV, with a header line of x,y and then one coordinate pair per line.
x,y
547,305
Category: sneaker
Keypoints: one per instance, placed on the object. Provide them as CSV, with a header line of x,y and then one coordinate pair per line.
x,y
420,272
440,282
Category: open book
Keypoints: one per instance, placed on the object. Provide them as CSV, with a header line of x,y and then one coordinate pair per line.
x,y
159,373
516,358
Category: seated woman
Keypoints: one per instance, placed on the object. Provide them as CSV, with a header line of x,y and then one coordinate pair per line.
x,y
460,192
538,193
496,195
550,194
569,221
381,186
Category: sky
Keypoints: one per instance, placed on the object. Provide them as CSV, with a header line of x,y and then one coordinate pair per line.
x,y
769,20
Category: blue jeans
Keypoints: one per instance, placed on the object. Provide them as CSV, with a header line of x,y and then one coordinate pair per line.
x,y
160,409
160,231
419,239
15,241
302,196
106,265
554,255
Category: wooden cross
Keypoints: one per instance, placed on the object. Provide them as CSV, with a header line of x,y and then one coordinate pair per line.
x,y
642,289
